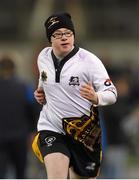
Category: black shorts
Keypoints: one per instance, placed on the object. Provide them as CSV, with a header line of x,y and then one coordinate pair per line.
x,y
84,162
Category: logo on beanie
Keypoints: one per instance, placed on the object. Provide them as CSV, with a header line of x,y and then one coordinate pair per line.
x,y
52,21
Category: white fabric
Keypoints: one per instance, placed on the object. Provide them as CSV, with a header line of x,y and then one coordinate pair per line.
x,y
64,100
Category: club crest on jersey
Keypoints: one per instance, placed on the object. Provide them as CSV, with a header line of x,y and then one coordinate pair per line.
x,y
74,81
108,82
43,76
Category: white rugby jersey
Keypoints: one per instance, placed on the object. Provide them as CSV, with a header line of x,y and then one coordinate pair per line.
x,y
61,83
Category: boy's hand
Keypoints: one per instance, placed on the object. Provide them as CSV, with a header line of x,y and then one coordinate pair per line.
x,y
40,96
87,91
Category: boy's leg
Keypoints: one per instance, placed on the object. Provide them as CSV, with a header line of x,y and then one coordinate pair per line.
x,y
73,175
57,165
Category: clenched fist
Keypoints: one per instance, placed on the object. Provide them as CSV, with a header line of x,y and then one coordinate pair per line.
x,y
87,91
40,96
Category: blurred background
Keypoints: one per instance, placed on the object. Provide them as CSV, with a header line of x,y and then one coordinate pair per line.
x,y
109,29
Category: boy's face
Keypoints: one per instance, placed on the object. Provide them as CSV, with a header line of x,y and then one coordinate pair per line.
x,y
62,41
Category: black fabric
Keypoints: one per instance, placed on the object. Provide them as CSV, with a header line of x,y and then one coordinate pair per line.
x,y
59,145
59,66
57,21
81,159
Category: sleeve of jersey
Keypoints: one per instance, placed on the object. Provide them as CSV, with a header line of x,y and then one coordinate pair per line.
x,y
106,91
39,68
106,98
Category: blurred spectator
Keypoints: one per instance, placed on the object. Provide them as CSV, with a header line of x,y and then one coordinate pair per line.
x,y
17,119
131,128
115,159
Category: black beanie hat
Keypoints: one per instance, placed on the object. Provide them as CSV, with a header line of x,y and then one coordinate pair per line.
x,y
57,21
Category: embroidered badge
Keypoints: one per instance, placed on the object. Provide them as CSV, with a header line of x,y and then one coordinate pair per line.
x,y
74,80
43,76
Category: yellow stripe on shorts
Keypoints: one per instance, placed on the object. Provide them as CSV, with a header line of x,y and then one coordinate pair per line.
x,y
36,149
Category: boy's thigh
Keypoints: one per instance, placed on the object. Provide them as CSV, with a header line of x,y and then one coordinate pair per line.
x,y
56,154
57,165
